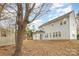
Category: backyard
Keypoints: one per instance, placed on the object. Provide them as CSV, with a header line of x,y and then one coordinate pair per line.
x,y
44,48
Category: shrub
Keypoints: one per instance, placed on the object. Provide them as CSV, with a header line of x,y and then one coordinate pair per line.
x,y
78,36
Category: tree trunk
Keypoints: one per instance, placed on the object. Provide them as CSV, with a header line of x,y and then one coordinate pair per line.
x,y
21,35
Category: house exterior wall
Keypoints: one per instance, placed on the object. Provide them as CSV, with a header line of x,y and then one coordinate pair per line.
x,y
77,20
36,36
68,29
73,26
8,39
54,28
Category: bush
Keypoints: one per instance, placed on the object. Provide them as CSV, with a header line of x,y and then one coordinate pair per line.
x,y
78,36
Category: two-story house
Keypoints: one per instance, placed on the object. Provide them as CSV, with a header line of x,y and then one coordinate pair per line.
x,y
63,27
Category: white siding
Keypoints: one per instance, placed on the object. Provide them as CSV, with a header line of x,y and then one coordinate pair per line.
x,y
67,30
8,40
36,36
64,29
73,26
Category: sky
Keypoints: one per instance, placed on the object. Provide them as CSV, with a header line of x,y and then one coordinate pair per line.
x,y
57,9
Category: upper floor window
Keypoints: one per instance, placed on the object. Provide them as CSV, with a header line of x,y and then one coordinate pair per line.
x,y
42,28
64,22
52,24
60,23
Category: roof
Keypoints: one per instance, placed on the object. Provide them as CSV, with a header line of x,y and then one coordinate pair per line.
x,y
57,19
39,31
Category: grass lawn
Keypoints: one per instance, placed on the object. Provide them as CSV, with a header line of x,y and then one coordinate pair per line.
x,y
45,48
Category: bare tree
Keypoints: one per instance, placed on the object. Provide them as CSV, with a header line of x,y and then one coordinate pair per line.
x,y
26,14
32,12
1,9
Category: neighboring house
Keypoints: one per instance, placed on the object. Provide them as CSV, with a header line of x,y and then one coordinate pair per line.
x,y
63,27
7,37
7,26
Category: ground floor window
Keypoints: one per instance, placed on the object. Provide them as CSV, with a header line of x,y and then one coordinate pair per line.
x,y
50,35
36,36
59,34
56,34
46,35
53,34
73,35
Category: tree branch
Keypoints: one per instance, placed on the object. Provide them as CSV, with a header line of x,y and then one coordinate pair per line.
x,y
32,7
37,14
1,9
12,8
11,12
19,19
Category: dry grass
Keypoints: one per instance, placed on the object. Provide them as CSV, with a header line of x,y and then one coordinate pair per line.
x,y
45,48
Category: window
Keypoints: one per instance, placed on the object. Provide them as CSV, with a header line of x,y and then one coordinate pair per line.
x,y
64,22
53,34
36,36
56,34
73,35
60,23
52,24
59,34
3,33
42,28
73,24
50,35
46,36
